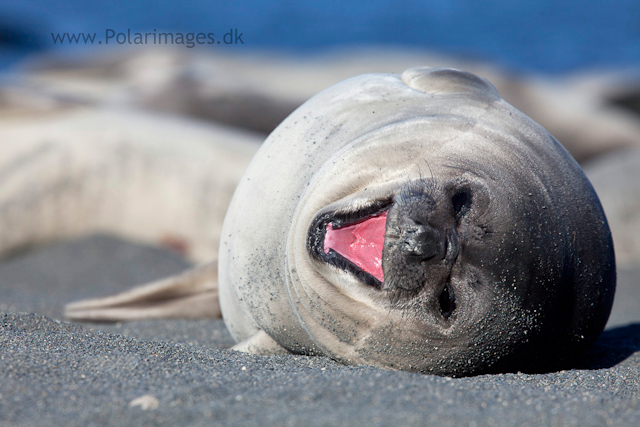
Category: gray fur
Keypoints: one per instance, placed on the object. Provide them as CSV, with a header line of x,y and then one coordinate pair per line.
x,y
536,270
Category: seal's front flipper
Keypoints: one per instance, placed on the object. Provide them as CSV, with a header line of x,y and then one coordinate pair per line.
x,y
189,295
261,344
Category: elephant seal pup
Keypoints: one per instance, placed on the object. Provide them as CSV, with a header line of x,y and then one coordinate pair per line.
x,y
416,222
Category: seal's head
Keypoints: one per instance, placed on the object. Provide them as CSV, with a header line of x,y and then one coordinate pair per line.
x,y
418,222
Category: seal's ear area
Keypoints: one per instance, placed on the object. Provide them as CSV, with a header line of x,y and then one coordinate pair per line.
x,y
192,294
440,81
261,344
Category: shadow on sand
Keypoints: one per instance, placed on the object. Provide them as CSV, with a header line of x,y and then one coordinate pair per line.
x,y
613,347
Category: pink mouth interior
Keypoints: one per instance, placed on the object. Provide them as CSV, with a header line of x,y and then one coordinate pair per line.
x,y
361,243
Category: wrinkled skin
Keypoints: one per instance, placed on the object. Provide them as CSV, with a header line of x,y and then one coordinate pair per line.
x,y
497,255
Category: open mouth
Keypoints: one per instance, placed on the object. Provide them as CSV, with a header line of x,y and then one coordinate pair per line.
x,y
352,241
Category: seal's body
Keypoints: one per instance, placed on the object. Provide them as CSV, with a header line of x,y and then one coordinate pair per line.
x,y
494,251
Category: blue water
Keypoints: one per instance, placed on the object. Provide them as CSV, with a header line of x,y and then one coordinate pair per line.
x,y
545,36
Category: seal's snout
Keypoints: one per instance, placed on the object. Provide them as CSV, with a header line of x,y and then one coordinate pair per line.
x,y
419,246
420,242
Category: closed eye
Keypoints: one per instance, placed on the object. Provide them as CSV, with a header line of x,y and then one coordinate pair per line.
x,y
461,202
447,301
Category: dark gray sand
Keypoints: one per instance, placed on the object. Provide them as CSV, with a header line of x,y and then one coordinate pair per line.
x,y
178,372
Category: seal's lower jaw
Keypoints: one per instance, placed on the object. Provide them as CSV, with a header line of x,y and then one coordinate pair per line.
x,y
352,241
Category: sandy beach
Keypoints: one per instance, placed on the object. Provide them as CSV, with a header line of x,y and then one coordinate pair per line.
x,y
179,372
